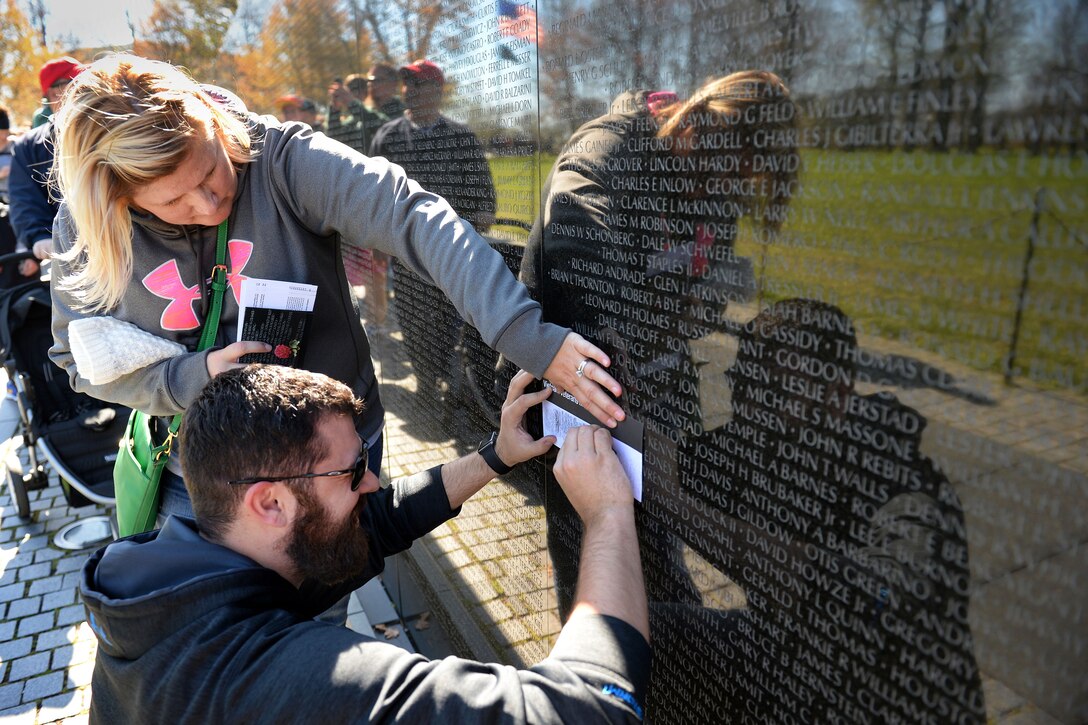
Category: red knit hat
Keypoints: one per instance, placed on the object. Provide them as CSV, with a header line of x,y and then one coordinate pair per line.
x,y
58,69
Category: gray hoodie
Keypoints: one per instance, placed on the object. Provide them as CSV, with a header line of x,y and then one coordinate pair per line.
x,y
294,203
192,632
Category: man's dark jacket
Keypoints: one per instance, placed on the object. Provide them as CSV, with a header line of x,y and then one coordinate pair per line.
x,y
192,632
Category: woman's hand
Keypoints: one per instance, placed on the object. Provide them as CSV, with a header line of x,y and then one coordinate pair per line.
x,y
224,359
589,387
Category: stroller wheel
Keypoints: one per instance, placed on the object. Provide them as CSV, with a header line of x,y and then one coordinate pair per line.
x,y
13,475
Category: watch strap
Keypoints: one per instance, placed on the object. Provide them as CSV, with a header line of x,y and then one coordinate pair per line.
x,y
487,450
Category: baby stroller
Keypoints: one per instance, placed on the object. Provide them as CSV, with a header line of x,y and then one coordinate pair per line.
x,y
76,435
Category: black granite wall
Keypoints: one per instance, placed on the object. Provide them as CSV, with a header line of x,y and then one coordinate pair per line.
x,y
838,252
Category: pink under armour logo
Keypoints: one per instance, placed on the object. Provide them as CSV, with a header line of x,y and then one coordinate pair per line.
x,y
165,281
239,252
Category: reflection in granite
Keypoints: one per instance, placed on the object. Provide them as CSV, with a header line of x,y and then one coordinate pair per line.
x,y
852,319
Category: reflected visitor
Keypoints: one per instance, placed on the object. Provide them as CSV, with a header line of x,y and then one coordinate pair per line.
x,y
351,123
638,228
381,91
297,108
849,543
446,158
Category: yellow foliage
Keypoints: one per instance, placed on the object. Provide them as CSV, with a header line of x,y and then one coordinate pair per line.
x,y
21,55
302,47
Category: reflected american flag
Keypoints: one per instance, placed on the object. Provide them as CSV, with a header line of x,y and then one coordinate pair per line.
x,y
517,21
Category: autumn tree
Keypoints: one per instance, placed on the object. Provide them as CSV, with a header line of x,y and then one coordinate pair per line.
x,y
934,49
1059,83
189,33
303,45
249,21
38,11
406,30
21,55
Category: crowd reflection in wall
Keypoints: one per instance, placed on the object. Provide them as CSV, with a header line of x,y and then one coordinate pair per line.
x,y
805,561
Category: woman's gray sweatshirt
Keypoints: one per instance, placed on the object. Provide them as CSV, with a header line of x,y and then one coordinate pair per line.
x,y
294,203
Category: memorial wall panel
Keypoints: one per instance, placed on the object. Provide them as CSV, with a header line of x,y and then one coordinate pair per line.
x,y
442,385
838,254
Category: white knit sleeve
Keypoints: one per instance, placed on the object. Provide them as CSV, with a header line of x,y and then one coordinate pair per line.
x,y
105,348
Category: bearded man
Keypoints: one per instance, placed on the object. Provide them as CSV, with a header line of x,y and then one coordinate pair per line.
x,y
211,619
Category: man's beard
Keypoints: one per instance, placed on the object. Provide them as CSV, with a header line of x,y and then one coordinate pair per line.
x,y
321,549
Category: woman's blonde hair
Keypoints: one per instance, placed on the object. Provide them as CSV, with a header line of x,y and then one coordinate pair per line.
x,y
748,121
124,122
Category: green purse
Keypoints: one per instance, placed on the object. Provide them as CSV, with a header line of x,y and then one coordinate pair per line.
x,y
139,465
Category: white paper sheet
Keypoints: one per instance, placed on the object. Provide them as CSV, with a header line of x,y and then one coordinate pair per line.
x,y
557,421
274,294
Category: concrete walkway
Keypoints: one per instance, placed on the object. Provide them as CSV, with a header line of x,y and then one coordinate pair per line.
x,y
46,649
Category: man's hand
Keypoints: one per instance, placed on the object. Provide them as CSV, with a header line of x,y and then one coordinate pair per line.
x,y
467,475
589,387
591,475
609,572
515,445
219,361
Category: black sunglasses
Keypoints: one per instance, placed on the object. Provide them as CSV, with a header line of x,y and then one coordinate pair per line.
x,y
357,472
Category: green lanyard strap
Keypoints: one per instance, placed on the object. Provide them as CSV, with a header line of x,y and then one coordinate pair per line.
x,y
219,286
211,325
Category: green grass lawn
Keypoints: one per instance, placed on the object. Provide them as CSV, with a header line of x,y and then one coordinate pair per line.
x,y
924,248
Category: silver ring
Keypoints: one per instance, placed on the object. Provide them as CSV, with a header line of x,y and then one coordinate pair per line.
x,y
581,371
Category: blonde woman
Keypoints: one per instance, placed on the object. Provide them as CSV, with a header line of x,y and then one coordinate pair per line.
x,y
149,163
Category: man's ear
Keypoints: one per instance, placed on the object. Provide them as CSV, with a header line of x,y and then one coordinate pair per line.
x,y
270,503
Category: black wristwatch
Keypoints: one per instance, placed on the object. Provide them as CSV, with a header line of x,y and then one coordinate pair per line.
x,y
487,450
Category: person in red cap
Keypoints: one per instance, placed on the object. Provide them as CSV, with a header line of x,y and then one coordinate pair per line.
x,y
288,105
423,70
446,158
297,108
53,77
423,135
33,207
